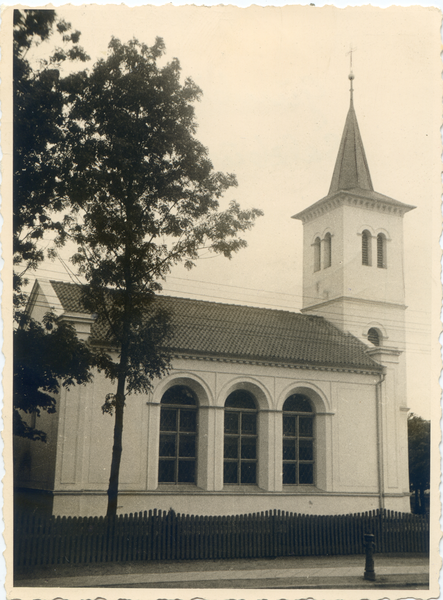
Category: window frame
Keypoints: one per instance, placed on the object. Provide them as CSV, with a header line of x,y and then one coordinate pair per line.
x,y
179,434
296,438
239,436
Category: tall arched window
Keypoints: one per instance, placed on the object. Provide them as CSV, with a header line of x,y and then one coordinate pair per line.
x,y
374,336
317,254
298,441
240,439
366,255
328,251
178,436
381,251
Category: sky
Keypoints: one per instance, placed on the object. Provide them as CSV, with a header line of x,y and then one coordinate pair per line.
x,y
275,98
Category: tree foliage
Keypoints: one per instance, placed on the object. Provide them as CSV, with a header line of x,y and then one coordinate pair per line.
x,y
46,356
39,121
419,446
147,198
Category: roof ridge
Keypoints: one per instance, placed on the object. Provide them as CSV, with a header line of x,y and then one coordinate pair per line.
x,y
213,302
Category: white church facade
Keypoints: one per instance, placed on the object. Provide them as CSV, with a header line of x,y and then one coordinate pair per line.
x,y
262,409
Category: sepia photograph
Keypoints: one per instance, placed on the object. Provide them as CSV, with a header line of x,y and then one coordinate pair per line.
x,y
222,272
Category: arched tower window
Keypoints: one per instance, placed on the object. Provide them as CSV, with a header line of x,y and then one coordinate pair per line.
x,y
328,251
374,336
366,242
240,438
178,436
381,251
298,441
317,254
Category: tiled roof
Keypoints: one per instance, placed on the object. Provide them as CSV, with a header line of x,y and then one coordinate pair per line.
x,y
244,332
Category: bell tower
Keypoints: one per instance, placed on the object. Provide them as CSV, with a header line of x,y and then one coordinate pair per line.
x,y
353,249
353,277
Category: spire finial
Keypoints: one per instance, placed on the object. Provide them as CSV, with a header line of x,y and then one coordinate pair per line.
x,y
351,74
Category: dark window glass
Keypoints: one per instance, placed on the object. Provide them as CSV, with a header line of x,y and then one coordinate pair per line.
x,y
298,441
231,447
231,422
167,445
166,471
240,441
168,419
306,473
178,436
248,447
230,474
249,423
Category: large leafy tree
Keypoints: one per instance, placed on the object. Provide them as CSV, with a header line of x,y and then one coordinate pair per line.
x,y
148,197
48,355
419,444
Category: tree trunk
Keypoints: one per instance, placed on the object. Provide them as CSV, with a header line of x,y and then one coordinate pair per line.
x,y
116,449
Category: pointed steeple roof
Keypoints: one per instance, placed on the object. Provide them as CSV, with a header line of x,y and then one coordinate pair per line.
x,y
351,180
351,167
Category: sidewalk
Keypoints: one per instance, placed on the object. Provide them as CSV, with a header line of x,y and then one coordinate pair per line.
x,y
395,571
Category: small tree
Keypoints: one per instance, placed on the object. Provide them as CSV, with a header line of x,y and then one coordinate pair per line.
x,y
419,445
148,198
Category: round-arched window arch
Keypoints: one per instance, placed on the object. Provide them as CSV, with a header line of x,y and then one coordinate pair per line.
x,y
298,440
240,439
178,436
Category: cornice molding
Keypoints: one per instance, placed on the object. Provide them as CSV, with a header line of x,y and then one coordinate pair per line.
x,y
267,363
343,198
351,299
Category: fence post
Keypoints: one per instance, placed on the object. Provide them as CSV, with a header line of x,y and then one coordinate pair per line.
x,y
369,566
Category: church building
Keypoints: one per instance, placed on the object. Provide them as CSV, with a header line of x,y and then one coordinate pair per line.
x,y
262,409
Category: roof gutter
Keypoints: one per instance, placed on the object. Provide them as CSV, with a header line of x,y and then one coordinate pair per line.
x,y
379,427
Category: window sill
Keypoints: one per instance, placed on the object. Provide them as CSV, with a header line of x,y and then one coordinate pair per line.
x,y
177,487
301,489
244,489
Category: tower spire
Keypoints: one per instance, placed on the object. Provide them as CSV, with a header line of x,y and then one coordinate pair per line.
x,y
351,167
351,75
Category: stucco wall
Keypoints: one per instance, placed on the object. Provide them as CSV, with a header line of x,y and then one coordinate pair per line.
x,y
346,448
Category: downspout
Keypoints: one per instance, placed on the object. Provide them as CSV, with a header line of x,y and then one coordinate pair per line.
x,y
380,455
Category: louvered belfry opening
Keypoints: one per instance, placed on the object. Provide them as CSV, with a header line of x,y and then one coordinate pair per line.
x,y
178,436
381,251
298,441
240,439
374,336
366,248
328,251
317,254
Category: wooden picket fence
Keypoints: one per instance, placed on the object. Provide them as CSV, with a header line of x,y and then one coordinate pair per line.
x,y
159,535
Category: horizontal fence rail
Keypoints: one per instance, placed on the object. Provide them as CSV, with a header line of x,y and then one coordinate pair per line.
x,y
160,535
